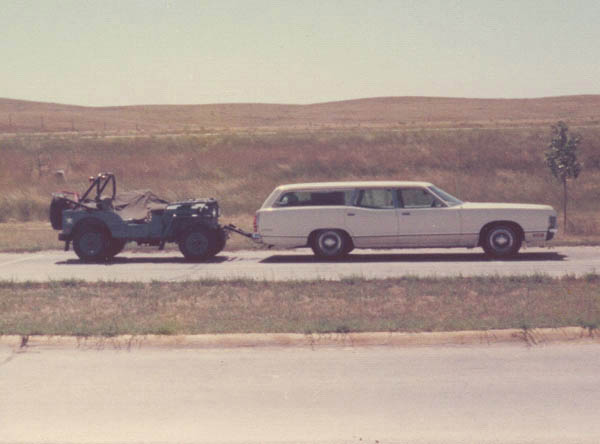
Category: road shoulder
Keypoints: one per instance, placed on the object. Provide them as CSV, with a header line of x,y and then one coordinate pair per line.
x,y
529,337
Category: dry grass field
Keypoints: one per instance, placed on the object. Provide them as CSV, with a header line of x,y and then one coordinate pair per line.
x,y
17,116
352,305
480,150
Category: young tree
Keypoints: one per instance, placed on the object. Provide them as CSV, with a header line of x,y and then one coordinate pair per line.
x,y
561,158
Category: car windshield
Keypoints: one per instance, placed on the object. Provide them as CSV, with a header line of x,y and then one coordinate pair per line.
x,y
448,198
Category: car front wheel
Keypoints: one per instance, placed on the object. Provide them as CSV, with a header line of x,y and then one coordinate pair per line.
x,y
501,241
330,244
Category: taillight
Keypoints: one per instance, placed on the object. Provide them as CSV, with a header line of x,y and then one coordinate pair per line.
x,y
255,223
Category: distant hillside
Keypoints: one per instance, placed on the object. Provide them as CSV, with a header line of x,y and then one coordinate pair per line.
x,y
25,116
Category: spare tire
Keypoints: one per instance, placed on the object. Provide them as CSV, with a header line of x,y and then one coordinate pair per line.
x,y
57,206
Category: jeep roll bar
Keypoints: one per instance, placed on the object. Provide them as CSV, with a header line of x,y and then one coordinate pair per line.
x,y
100,182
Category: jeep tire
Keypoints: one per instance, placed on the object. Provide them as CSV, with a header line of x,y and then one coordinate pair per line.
x,y
116,246
91,243
220,241
198,243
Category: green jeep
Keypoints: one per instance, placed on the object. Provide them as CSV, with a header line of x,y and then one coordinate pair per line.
x,y
101,222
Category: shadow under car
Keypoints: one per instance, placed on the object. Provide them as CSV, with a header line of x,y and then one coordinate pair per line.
x,y
124,260
411,257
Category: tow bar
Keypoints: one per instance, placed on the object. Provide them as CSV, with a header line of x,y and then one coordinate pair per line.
x,y
231,227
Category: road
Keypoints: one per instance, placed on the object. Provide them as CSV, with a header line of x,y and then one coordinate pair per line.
x,y
483,394
298,264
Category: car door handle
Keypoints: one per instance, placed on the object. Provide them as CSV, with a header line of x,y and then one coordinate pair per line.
x,y
351,214
406,213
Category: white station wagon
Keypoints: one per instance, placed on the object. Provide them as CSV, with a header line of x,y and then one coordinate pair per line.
x,y
334,218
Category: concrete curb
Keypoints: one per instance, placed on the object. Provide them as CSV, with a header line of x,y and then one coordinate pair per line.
x,y
540,336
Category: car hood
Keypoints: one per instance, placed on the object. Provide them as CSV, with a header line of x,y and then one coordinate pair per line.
x,y
503,206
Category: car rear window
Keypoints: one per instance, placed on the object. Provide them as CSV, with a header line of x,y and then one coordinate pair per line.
x,y
314,198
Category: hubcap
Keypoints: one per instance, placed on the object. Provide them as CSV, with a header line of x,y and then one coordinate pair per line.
x,y
501,239
330,242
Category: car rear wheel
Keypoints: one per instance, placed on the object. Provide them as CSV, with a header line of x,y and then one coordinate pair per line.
x,y
501,241
198,243
91,243
330,244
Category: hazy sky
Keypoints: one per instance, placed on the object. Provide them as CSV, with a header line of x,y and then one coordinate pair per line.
x,y
123,52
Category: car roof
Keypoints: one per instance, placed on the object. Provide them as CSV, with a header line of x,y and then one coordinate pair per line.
x,y
353,184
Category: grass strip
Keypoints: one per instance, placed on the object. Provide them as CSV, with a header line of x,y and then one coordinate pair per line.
x,y
352,305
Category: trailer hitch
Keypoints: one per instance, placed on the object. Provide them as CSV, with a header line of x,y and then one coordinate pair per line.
x,y
231,227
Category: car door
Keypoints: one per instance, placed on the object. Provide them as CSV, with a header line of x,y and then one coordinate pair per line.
x,y
425,221
373,220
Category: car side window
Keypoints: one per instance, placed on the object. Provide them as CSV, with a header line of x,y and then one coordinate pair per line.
x,y
315,198
418,198
377,198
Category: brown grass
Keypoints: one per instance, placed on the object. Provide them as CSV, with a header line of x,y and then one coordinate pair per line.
x,y
408,305
241,169
401,112
28,236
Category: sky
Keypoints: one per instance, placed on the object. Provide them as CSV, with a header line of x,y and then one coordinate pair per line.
x,y
127,52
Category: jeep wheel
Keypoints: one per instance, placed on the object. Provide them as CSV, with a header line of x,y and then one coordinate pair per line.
x,y
330,244
91,243
220,241
116,246
501,241
197,243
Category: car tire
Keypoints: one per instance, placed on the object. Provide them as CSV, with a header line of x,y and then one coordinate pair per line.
x,y
330,244
501,241
91,243
198,243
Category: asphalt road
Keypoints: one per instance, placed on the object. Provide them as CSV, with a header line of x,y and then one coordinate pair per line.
x,y
485,394
298,264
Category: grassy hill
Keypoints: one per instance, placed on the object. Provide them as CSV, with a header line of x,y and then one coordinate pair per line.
x,y
401,112
481,150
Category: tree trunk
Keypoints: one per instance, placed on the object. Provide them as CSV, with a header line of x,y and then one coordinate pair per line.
x,y
565,203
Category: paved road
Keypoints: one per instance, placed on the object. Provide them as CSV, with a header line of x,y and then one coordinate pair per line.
x,y
497,394
298,265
